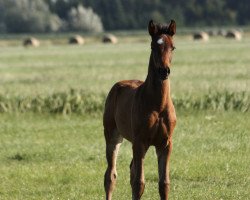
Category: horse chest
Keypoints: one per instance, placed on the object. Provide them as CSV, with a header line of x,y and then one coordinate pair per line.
x,y
160,128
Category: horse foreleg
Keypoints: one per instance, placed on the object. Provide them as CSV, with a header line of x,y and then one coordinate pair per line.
x,y
132,173
112,148
137,171
163,170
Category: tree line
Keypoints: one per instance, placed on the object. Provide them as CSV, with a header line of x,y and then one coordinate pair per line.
x,y
99,15
132,14
19,16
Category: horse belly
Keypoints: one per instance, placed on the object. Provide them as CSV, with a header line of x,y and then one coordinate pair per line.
x,y
123,115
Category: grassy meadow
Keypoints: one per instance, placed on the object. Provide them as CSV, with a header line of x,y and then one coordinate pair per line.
x,y
51,134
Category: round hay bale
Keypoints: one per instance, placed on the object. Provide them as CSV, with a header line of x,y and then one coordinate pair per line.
x,y
77,39
109,38
32,42
234,34
201,36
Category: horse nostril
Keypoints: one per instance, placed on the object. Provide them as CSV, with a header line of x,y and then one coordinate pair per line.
x,y
168,69
164,72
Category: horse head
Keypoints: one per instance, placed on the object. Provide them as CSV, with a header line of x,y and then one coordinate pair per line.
x,y
162,47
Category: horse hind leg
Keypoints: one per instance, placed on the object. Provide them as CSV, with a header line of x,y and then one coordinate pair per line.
x,y
113,142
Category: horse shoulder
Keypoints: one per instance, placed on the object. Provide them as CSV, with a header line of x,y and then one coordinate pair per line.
x,y
171,115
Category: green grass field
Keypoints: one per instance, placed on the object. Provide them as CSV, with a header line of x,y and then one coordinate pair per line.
x,y
49,152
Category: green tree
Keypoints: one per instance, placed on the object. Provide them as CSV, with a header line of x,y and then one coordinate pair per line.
x,y
84,19
2,16
62,7
134,14
242,9
29,16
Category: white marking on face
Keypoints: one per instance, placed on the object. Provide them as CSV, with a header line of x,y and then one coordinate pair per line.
x,y
160,41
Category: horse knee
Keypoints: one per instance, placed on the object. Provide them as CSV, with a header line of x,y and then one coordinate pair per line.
x,y
110,178
164,187
139,185
137,189
142,184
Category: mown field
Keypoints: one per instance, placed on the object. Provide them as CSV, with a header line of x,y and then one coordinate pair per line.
x,y
51,102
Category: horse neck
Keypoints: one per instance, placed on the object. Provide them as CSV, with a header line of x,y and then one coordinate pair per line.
x,y
156,90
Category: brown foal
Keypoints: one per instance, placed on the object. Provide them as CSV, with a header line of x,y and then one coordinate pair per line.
x,y
143,113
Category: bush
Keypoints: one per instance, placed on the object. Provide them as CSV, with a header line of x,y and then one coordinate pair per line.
x,y
84,19
29,16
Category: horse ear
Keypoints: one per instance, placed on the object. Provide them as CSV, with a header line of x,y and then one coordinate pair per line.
x,y
171,28
152,28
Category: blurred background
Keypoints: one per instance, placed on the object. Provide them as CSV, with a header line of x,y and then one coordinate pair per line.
x,y
18,16
58,61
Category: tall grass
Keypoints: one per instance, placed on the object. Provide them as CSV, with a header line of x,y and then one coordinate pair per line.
x,y
62,102
83,102
221,101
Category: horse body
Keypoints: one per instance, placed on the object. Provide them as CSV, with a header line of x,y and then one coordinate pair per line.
x,y
126,99
142,113
118,108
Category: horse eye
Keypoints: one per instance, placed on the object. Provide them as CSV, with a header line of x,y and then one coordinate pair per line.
x,y
173,48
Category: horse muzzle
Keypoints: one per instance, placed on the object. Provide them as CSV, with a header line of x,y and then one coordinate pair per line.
x,y
163,72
